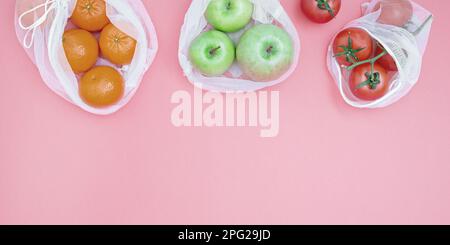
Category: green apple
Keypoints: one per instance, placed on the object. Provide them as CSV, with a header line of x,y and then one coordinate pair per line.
x,y
212,53
265,52
229,15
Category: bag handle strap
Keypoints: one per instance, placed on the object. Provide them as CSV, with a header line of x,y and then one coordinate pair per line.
x,y
48,6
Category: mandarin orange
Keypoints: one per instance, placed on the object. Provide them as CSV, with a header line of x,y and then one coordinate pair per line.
x,y
102,86
90,15
81,49
117,46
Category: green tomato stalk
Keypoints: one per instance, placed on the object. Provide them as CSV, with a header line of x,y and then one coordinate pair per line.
x,y
371,61
373,78
349,52
324,5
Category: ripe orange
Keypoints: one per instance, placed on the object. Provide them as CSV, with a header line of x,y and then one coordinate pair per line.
x,y
102,86
90,15
81,49
117,46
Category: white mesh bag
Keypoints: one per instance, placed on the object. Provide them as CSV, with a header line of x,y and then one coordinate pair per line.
x,y
265,12
405,44
40,25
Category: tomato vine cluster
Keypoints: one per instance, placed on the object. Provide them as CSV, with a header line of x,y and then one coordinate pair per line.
x,y
369,64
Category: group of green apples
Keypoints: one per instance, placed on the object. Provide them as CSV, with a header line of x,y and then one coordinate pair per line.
x,y
264,52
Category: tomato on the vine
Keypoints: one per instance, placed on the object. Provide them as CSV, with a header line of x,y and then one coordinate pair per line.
x,y
386,61
394,12
367,84
352,45
321,11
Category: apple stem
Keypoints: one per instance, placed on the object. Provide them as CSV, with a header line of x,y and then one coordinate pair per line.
x,y
213,51
269,49
229,5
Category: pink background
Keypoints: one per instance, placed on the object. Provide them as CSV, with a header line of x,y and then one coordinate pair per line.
x,y
331,164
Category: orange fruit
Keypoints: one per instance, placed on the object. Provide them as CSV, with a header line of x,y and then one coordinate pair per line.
x,y
90,15
102,86
117,46
81,49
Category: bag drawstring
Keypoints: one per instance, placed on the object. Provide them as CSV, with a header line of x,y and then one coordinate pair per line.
x,y
48,6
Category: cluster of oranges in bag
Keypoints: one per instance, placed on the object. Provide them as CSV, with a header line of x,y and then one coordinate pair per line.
x,y
99,86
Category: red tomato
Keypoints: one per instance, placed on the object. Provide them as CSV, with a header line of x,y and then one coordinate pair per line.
x,y
394,12
321,11
352,45
387,62
369,86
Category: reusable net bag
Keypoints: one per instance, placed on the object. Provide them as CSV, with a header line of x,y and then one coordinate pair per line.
x,y
40,25
265,12
405,44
